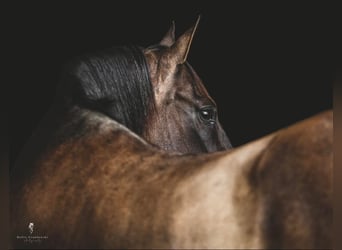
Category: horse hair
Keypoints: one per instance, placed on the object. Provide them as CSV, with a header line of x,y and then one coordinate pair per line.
x,y
114,82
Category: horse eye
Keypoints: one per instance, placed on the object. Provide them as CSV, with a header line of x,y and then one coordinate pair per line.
x,y
208,114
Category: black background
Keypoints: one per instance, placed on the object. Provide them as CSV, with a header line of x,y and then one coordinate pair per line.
x,y
266,65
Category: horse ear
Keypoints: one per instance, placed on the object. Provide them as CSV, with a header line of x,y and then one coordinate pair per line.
x,y
180,49
169,38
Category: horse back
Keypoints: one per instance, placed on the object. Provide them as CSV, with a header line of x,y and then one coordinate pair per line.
x,y
294,176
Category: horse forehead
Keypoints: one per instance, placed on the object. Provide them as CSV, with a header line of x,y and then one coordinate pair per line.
x,y
195,82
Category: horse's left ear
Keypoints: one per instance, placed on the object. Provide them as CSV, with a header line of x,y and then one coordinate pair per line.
x,y
180,49
169,38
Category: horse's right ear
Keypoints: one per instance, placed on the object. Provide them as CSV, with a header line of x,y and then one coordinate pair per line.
x,y
169,38
180,49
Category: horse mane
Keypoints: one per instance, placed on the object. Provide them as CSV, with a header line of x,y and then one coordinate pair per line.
x,y
114,82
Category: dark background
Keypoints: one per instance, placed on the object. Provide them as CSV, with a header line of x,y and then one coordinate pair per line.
x,y
266,65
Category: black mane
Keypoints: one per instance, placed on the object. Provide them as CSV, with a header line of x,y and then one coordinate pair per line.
x,y
115,82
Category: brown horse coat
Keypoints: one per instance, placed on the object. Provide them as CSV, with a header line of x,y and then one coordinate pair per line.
x,y
110,189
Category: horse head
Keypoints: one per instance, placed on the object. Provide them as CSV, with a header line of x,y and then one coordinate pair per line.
x,y
186,116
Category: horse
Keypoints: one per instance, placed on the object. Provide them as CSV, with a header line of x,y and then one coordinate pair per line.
x,y
160,172
275,192
153,91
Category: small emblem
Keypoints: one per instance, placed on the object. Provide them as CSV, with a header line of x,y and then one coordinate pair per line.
x,y
30,227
